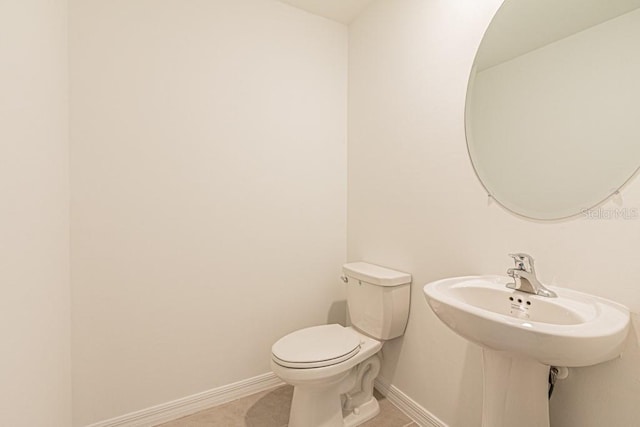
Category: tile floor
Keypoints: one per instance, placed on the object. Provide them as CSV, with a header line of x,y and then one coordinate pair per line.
x,y
271,409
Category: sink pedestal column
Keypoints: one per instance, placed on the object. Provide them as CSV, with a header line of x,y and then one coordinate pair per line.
x,y
515,391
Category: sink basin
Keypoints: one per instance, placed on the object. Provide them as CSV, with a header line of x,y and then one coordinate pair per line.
x,y
574,329
521,335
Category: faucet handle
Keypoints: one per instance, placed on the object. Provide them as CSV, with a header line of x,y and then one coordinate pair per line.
x,y
523,261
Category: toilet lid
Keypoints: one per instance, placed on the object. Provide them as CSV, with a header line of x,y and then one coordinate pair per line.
x,y
316,347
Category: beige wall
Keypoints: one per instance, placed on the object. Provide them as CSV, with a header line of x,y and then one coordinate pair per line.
x,y
209,202
34,219
209,198
416,205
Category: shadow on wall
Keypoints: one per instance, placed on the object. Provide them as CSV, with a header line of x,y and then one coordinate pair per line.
x,y
635,327
338,313
389,355
598,383
470,387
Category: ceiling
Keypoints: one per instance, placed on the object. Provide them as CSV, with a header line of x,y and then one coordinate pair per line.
x,y
343,11
518,28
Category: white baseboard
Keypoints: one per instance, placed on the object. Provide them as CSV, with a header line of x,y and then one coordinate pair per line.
x,y
407,405
179,408
191,404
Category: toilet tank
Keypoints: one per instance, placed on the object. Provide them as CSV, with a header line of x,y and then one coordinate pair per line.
x,y
377,299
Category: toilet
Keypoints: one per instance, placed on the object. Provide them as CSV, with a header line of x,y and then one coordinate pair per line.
x,y
331,367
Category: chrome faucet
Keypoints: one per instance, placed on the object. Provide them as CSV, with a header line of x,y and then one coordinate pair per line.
x,y
524,277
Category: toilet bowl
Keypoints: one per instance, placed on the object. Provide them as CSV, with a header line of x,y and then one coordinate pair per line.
x,y
332,367
324,387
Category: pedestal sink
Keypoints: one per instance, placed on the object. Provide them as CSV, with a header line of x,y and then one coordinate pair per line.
x,y
522,335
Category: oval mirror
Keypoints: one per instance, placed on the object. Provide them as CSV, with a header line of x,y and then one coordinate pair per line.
x,y
553,104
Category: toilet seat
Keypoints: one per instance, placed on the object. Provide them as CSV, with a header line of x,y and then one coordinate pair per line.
x,y
316,347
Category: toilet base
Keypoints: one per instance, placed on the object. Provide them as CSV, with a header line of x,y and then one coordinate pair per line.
x,y
316,406
362,413
326,412
343,400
